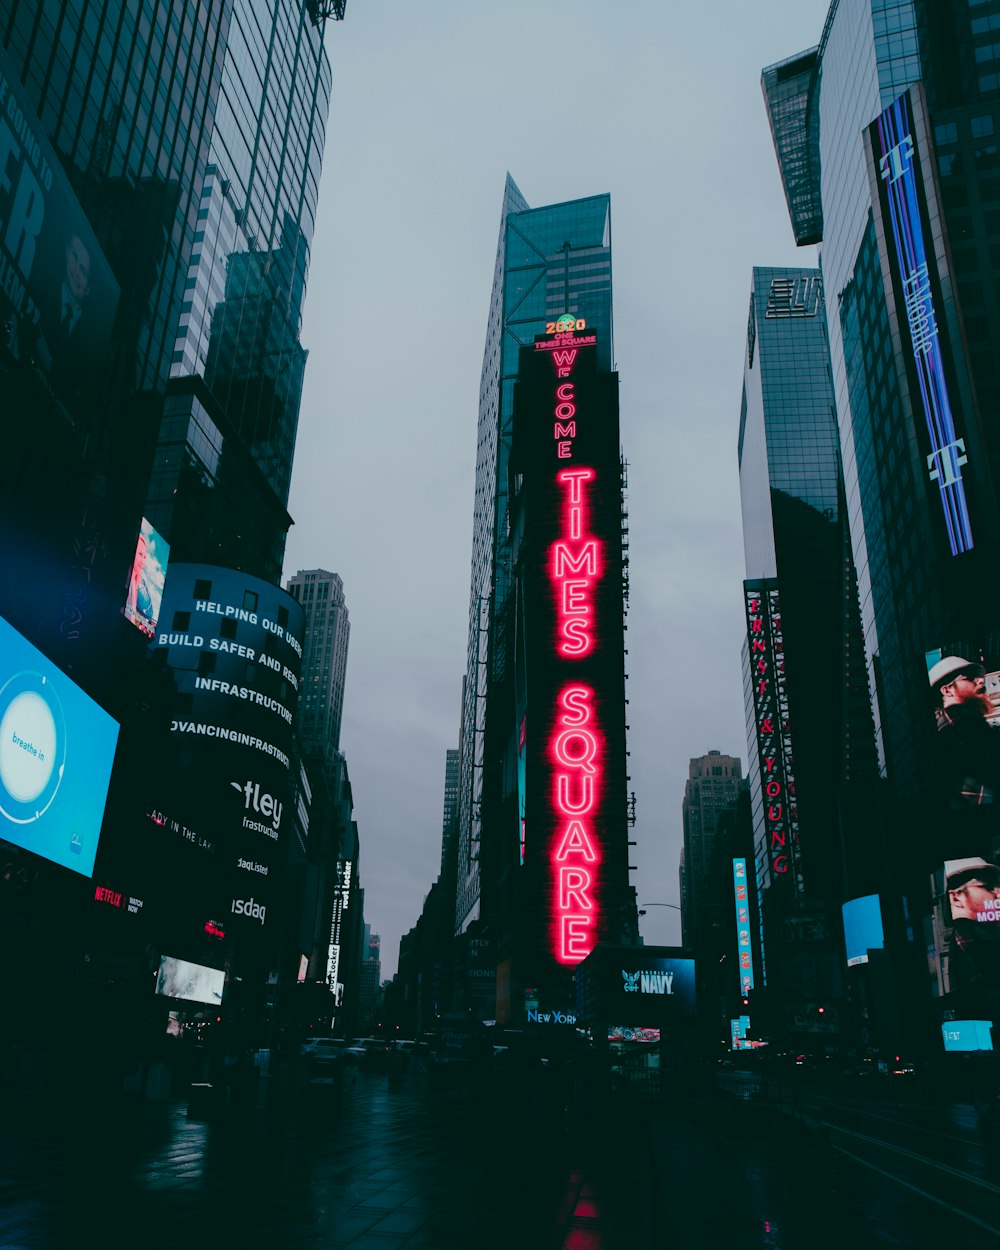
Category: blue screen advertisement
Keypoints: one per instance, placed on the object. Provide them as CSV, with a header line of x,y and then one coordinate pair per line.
x,y
57,747
967,1034
862,928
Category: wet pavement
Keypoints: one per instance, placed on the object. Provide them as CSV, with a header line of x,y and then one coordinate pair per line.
x,y
371,1165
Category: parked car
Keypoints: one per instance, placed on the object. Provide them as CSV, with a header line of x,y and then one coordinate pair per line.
x,y
324,1055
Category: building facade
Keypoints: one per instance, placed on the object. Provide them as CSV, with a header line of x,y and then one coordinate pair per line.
x,y
550,310
324,660
714,783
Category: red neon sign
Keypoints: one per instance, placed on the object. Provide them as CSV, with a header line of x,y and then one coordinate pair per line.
x,y
576,744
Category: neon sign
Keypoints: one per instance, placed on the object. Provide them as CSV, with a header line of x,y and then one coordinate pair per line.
x,y
774,743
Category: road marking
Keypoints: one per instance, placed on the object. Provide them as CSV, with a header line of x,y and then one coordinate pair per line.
x,y
923,1193
910,1154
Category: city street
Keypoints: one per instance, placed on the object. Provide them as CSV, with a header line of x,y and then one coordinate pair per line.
x,y
379,1166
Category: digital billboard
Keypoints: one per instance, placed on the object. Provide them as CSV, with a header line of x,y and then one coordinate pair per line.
x,y
967,1034
964,682
58,295
862,928
220,810
194,982
571,730
638,986
744,950
57,747
144,589
765,641
899,146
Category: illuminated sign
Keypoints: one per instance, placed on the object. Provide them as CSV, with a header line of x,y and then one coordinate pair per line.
x,y
738,1031
57,747
771,725
967,1034
144,590
567,324
194,982
862,928
915,285
743,947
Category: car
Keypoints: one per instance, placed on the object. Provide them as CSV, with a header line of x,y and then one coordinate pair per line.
x,y
323,1054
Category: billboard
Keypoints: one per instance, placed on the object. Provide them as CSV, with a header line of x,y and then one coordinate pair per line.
x,y
194,982
899,146
967,1034
58,295
744,950
144,589
57,747
219,807
862,928
637,986
765,641
571,726
964,682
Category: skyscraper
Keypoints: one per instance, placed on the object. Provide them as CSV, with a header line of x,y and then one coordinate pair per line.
x,y
223,463
809,730
884,136
714,783
324,659
550,310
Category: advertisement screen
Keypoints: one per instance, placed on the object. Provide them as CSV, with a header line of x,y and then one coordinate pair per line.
x,y
964,682
57,747
743,948
967,1034
898,144
862,928
57,295
144,589
179,979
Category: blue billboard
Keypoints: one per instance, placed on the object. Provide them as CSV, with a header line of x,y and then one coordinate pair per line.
x,y
967,1034
743,947
57,747
862,928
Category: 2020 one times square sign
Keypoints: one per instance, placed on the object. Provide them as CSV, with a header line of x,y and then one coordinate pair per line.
x,y
233,644
571,725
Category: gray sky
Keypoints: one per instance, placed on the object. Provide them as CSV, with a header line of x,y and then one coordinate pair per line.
x,y
660,105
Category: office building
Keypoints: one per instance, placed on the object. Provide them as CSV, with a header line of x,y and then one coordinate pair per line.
x,y
713,785
324,660
884,137
223,462
550,310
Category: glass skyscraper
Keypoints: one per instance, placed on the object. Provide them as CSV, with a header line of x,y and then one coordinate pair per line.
x,y
223,463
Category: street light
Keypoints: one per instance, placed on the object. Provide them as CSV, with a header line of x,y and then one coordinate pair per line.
x,y
643,906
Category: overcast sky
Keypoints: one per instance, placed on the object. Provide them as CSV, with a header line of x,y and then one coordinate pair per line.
x,y
659,104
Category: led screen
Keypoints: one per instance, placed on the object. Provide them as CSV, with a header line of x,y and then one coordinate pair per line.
x,y
57,747
862,928
967,1034
179,979
144,588
964,683
743,948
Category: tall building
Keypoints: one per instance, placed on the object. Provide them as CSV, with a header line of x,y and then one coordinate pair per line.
x,y
324,659
884,134
714,783
223,463
809,729
549,330
449,816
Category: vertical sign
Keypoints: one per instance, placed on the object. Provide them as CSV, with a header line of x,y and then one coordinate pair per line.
x,y
915,285
743,925
573,832
774,743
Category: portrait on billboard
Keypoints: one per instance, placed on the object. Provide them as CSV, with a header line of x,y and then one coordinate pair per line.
x,y
965,693
969,924
144,589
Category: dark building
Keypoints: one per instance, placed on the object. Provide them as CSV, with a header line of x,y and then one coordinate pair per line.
x,y
532,897
809,729
884,135
324,661
714,782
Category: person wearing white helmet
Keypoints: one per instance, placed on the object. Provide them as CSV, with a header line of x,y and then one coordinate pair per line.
x,y
972,953
969,746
